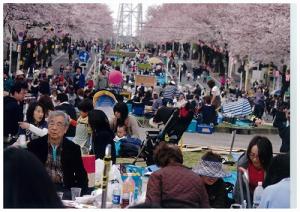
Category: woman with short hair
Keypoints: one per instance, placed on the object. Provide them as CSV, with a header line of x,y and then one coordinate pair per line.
x,y
174,185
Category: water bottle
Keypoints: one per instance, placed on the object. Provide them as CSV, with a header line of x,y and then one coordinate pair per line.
x,y
257,195
116,196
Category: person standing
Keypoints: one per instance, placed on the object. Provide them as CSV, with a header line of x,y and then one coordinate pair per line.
x,y
215,93
78,79
169,93
13,109
64,105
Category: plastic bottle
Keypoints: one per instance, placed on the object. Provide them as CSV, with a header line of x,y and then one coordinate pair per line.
x,y
116,197
257,195
128,191
115,181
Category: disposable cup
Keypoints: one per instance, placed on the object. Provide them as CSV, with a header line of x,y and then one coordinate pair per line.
x,y
75,192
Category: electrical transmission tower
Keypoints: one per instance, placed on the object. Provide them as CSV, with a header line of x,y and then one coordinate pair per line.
x,y
128,17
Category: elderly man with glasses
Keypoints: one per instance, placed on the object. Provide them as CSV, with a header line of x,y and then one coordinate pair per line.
x,y
61,157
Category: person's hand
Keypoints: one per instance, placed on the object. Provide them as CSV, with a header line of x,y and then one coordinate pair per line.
x,y
24,125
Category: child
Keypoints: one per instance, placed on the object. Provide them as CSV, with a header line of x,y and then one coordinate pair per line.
x,y
83,131
121,134
126,146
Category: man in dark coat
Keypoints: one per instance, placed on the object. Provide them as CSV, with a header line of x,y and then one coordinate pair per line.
x,y
69,109
61,157
13,108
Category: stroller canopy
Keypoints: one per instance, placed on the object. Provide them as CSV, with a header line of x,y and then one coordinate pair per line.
x,y
238,108
105,101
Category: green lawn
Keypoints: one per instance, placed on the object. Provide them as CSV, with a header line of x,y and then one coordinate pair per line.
x,y
190,159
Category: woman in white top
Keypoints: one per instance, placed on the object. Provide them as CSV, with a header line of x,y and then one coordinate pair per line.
x,y
215,93
35,126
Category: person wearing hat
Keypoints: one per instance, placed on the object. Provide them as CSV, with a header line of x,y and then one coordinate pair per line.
x,y
210,170
20,76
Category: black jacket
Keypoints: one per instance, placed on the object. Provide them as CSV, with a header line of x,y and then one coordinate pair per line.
x,y
217,194
100,141
284,133
13,113
74,174
70,110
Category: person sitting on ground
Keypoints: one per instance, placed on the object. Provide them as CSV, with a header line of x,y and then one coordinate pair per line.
x,y
157,102
210,170
35,125
122,118
83,131
208,112
26,183
181,101
277,181
174,185
60,156
147,99
255,161
102,134
121,133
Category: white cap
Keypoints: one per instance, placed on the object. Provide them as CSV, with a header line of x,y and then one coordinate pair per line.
x,y
19,72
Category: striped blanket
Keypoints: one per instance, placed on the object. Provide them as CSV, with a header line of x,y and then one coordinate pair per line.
x,y
238,108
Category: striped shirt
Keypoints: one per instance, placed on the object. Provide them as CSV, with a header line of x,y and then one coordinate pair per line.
x,y
169,91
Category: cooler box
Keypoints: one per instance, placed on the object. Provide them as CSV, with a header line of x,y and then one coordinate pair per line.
x,y
205,129
138,109
192,127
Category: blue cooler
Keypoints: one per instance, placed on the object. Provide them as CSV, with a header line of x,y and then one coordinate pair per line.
x,y
138,109
205,129
192,127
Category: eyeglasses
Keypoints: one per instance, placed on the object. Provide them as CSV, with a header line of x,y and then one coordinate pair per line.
x,y
57,124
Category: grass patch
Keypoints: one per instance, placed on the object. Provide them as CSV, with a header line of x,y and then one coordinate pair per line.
x,y
190,159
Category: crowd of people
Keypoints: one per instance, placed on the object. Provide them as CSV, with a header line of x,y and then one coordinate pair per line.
x,y
45,111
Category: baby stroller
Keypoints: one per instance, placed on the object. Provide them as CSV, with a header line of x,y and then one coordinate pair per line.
x,y
171,133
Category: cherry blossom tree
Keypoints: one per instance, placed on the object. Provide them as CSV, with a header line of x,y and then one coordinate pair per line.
x,y
259,31
88,21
